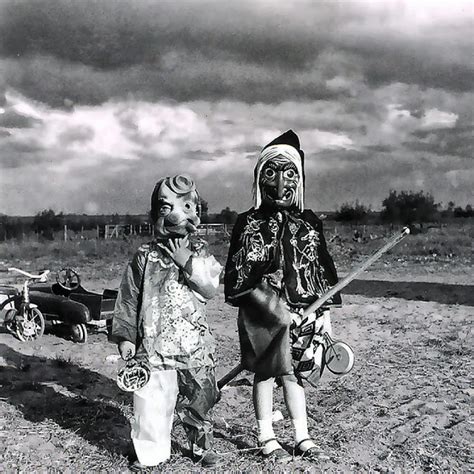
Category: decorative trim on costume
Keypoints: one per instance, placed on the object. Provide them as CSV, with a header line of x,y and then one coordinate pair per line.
x,y
254,248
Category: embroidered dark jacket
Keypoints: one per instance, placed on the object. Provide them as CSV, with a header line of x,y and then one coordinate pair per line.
x,y
290,244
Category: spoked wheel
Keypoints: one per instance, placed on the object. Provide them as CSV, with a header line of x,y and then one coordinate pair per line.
x,y
30,326
339,357
79,333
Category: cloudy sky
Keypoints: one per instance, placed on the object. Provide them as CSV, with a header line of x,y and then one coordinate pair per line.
x,y
100,98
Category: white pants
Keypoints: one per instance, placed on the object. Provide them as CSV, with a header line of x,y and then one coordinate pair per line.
x,y
154,407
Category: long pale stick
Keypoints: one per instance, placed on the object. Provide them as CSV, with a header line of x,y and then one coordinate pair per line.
x,y
345,281
335,289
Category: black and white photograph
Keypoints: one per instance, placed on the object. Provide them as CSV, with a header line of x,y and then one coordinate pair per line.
x,y
236,236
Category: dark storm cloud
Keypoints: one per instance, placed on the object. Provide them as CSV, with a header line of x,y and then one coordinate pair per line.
x,y
89,51
439,58
380,148
19,155
109,35
12,119
53,81
458,141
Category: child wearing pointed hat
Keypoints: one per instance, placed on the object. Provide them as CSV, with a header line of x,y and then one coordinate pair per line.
x,y
278,264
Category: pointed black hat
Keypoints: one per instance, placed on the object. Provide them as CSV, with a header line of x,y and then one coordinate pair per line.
x,y
287,138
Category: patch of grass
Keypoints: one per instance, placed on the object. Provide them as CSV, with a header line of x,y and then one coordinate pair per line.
x,y
82,249
453,240
62,362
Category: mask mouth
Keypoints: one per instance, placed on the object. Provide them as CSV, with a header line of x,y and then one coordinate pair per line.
x,y
191,228
182,228
288,196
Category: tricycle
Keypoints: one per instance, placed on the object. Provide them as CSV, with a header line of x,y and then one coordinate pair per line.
x,y
67,302
22,316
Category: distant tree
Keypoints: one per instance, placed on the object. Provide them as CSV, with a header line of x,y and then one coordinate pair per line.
x,y
407,207
115,219
46,222
460,212
11,227
355,213
449,210
204,211
150,220
227,216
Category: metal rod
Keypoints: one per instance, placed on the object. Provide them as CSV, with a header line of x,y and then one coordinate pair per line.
x,y
229,376
345,281
336,288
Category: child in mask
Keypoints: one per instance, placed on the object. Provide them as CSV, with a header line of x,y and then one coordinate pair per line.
x,y
278,265
160,322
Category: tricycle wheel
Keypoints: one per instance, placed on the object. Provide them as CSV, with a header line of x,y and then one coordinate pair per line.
x,y
30,326
79,333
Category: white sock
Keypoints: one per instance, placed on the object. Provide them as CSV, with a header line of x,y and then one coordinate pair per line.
x,y
265,429
265,432
300,426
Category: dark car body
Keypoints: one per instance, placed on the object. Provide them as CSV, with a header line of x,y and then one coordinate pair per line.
x,y
73,306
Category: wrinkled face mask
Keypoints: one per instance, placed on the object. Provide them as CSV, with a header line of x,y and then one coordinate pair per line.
x,y
278,182
175,207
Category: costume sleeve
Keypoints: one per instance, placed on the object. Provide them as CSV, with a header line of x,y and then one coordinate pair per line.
x,y
127,305
327,262
203,276
236,250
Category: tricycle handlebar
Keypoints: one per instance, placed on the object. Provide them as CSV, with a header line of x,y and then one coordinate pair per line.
x,y
42,277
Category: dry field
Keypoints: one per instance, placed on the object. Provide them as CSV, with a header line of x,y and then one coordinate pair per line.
x,y
405,407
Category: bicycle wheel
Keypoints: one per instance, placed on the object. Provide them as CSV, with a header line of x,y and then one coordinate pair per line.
x,y
339,358
31,325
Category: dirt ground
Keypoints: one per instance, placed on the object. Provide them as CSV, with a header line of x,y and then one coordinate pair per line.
x,y
405,406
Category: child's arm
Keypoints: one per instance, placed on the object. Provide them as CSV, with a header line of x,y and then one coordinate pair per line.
x,y
127,305
325,259
201,273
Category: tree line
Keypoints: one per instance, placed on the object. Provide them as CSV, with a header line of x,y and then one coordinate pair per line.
x,y
405,207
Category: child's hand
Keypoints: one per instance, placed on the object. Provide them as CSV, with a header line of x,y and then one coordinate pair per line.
x,y
273,308
126,349
178,251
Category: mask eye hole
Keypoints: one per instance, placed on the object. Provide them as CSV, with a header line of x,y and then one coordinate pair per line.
x,y
269,173
290,174
188,206
165,209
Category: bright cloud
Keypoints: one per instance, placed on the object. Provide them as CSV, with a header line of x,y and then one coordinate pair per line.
x,y
434,118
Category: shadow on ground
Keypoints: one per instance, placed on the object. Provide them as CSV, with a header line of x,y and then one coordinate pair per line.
x,y
418,291
56,390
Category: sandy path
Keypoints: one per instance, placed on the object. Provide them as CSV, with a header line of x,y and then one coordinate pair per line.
x,y
405,405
